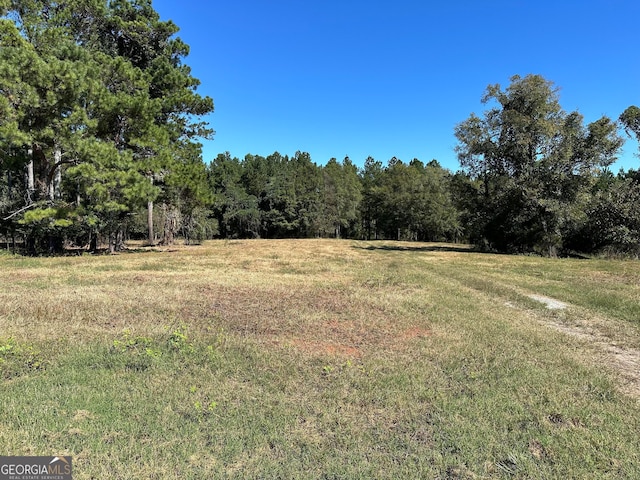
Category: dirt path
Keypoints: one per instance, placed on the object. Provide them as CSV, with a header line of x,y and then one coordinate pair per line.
x,y
623,360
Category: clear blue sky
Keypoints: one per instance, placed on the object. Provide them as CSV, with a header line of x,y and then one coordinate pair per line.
x,y
393,78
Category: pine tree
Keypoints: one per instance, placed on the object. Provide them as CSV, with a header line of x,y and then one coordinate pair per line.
x,y
97,110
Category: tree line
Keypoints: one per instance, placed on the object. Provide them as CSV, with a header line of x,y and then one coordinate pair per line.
x,y
100,121
533,179
277,196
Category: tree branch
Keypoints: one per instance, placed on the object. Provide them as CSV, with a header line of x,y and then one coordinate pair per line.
x,y
20,211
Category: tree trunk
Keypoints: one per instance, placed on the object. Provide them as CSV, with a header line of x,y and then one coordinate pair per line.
x,y
151,237
120,240
112,243
151,233
93,242
56,177
116,241
31,182
171,224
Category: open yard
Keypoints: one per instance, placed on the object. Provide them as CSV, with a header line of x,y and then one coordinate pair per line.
x,y
322,359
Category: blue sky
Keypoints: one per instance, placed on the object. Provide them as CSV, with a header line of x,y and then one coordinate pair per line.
x,y
393,78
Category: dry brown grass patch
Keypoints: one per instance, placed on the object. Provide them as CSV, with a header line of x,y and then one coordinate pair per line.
x,y
326,349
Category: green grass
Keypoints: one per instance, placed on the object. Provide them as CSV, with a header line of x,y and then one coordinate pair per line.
x,y
317,359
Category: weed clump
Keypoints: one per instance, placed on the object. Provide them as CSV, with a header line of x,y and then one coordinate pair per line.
x,y
137,352
17,359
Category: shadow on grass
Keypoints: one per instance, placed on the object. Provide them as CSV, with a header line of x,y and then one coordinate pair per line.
x,y
456,248
423,248
78,251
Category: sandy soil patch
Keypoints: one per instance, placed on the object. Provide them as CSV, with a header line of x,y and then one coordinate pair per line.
x,y
551,303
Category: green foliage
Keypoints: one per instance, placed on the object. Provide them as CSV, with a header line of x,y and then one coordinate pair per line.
x,y
46,216
137,352
100,119
612,225
95,102
370,207
535,163
410,202
342,197
18,359
630,119
235,209
199,226
203,406
179,341
267,197
293,197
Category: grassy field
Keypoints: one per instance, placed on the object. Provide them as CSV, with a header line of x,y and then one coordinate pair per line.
x,y
322,359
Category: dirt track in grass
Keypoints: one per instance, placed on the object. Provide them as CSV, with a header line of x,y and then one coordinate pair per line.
x,y
624,361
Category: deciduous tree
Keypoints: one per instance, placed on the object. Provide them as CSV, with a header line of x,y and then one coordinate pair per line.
x,y
536,164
